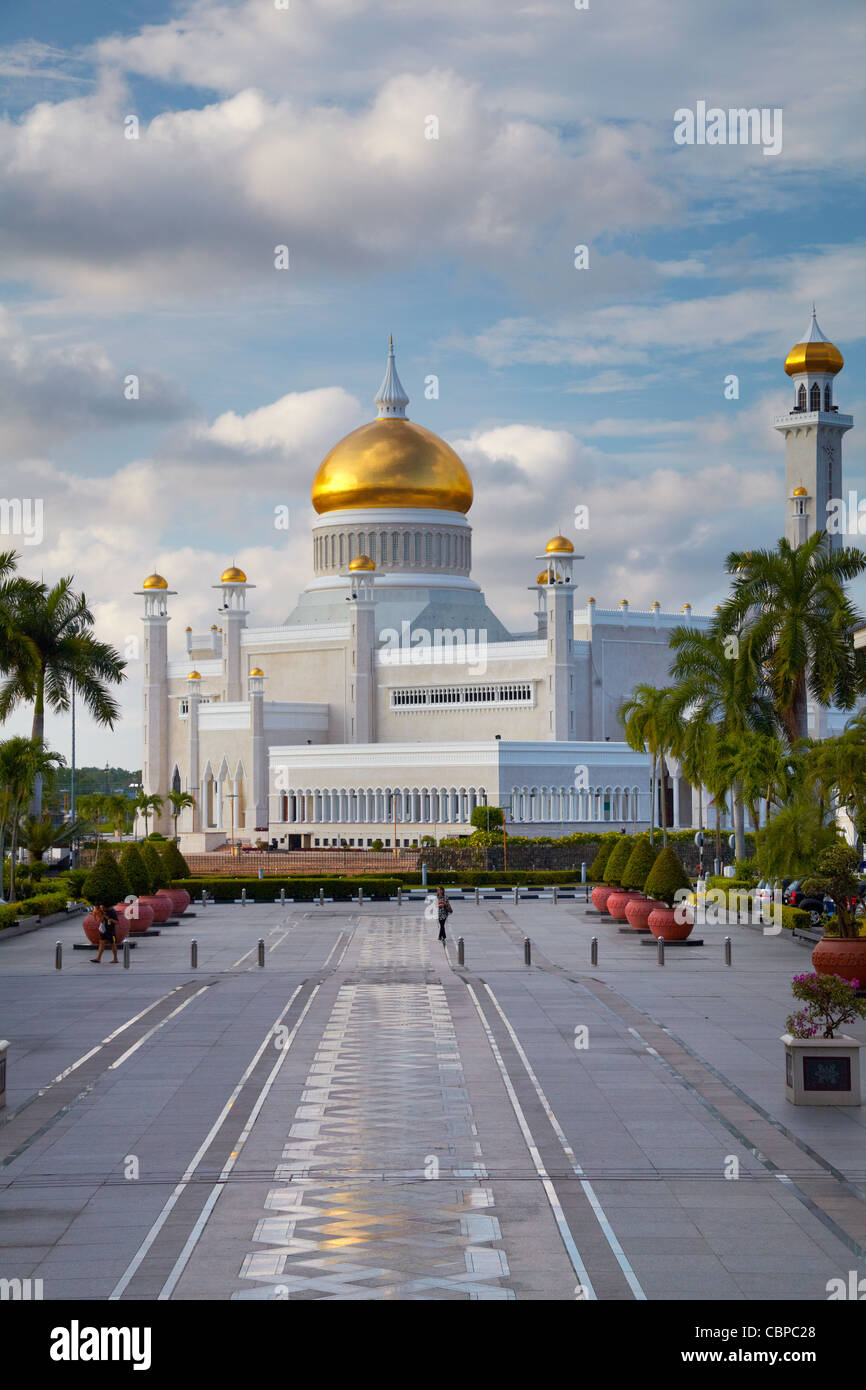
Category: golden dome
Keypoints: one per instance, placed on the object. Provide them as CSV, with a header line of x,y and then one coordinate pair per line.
x,y
214,628
542,577
392,462
799,492
155,581
257,671
233,576
814,353
361,562
559,545
194,676
189,629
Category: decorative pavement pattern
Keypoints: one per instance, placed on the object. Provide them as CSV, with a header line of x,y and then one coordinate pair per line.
x,y
385,1094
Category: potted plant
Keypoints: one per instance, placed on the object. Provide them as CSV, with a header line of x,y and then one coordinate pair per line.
x,y
667,883
602,890
842,951
821,1066
614,869
641,861
630,884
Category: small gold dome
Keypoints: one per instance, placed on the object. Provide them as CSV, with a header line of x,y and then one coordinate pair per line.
x,y
257,671
155,581
559,545
233,576
542,577
590,600
189,629
194,676
214,628
361,562
392,463
800,492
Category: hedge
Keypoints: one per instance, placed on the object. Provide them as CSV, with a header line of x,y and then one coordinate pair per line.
x,y
42,906
470,878
265,890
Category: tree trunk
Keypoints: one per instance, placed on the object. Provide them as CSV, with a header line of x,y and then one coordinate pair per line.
x,y
37,734
798,721
653,800
718,831
739,822
664,789
2,858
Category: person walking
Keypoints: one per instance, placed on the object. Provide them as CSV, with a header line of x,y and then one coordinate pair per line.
x,y
106,918
443,911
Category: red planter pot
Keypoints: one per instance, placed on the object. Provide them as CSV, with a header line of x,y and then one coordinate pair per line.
x,y
600,894
138,914
662,922
91,928
637,912
618,902
180,899
836,955
161,907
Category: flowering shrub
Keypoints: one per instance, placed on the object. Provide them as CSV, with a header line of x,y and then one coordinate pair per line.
x,y
830,1001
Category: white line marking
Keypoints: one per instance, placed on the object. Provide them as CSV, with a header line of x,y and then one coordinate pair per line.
x,y
193,1237
196,1160
155,1029
621,1257
550,1191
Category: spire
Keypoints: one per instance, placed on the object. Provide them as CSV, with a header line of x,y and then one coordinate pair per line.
x,y
391,398
814,335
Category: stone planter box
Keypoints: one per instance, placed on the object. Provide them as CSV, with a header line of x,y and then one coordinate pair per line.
x,y
822,1071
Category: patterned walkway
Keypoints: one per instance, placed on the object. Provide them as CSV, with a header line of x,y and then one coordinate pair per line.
x,y
380,1192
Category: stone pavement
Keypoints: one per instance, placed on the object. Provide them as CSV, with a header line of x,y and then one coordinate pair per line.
x,y
365,1119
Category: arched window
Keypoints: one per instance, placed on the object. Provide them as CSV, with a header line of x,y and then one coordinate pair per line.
x,y
801,398
372,551
333,554
351,547
175,781
342,551
828,397
406,547
439,550
395,542
815,397
417,547
428,549
362,543
383,546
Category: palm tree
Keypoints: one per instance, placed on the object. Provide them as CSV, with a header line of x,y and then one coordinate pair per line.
x,y
22,760
148,805
179,800
836,768
792,606
39,833
720,682
52,650
651,725
119,811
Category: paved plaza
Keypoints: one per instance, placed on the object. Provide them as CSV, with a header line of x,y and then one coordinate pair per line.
x,y
363,1118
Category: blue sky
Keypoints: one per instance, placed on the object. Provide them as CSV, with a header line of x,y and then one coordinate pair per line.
x,y
559,386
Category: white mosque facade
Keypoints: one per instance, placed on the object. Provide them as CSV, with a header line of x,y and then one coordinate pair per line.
x,y
392,701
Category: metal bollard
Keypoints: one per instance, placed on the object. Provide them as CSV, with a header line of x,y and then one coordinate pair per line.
x,y
58,955
399,894
727,950
243,897
361,896
261,950
527,951
476,897
204,897
461,953
321,897
661,950
515,895
283,896
554,895
126,955
193,954
583,871
593,951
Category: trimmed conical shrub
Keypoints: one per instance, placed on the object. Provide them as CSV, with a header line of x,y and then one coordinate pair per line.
x,y
134,869
156,874
640,861
603,853
619,857
105,883
173,861
665,877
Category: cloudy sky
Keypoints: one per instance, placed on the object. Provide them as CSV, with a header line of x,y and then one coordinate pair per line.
x,y
307,127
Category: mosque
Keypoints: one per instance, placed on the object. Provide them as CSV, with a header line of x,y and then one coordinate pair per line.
x,y
393,701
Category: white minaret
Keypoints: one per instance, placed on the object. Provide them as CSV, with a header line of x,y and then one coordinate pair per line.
x,y
558,593
257,806
362,641
154,715
192,814
233,586
813,430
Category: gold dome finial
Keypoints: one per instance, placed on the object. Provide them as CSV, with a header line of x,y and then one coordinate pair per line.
x,y
814,353
361,562
559,545
233,576
155,581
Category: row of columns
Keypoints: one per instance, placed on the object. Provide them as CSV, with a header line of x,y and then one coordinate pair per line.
x,y
566,804
375,806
